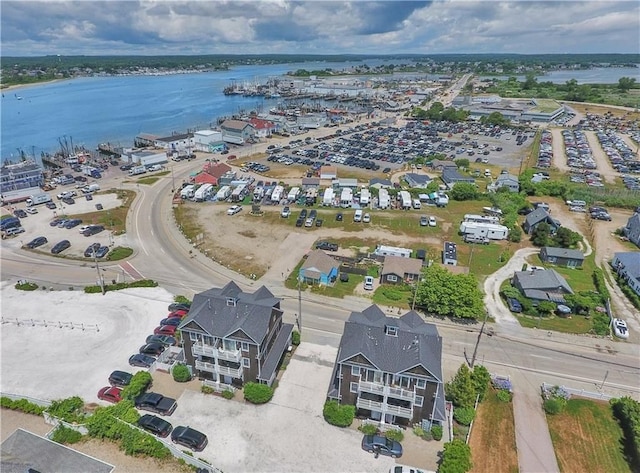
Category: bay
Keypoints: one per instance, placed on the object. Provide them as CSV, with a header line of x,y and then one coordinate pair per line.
x,y
597,75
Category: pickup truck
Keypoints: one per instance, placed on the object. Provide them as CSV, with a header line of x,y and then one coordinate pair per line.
x,y
157,403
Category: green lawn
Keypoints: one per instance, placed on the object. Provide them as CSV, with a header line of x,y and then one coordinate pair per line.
x,y
586,437
579,279
575,324
395,296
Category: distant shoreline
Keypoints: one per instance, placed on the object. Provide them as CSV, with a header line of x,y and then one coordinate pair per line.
x,y
26,86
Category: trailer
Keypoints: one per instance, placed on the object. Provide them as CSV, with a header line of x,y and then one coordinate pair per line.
x,y
383,250
91,172
328,196
383,199
276,195
293,194
405,200
481,219
203,192
365,197
187,192
311,196
223,193
37,199
346,198
487,230
238,193
137,170
258,194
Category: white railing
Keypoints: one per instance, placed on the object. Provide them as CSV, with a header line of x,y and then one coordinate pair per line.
x,y
204,366
233,372
370,387
368,404
203,350
384,408
579,392
383,390
399,411
229,355
218,387
400,393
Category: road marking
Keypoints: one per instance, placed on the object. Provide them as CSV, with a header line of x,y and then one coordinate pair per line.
x,y
540,356
130,270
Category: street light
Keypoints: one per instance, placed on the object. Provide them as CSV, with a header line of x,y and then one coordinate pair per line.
x,y
100,276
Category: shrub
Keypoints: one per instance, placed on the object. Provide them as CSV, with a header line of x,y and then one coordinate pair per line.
x,y
423,434
554,406
65,435
481,378
181,373
394,434
600,324
598,281
26,286
257,393
464,415
140,382
227,394
21,405
182,300
295,338
340,416
207,389
627,411
503,395
456,457
69,409
436,431
121,285
368,429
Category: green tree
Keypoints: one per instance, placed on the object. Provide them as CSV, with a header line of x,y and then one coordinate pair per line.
x,y
515,234
495,118
340,416
181,373
456,457
462,162
481,379
444,293
530,82
257,393
540,234
461,390
546,307
464,191
626,83
566,238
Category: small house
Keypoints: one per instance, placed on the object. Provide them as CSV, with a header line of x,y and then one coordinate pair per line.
x,y
319,268
451,177
562,256
506,180
396,270
542,285
328,172
632,229
627,266
237,131
417,181
538,216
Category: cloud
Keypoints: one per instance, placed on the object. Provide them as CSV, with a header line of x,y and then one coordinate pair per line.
x,y
326,27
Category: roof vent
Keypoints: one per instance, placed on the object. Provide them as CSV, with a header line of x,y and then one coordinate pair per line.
x,y
391,330
231,302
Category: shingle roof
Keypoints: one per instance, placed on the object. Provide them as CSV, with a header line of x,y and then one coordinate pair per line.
x,y
416,180
24,451
563,253
401,266
542,280
237,125
450,175
318,260
631,262
540,215
224,311
416,343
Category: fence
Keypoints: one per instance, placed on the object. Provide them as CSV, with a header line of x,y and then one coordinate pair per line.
x,y
578,392
49,323
16,397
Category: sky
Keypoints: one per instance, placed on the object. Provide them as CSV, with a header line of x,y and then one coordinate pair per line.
x,y
112,27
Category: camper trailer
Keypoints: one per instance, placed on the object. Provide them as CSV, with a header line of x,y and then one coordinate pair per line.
x,y
223,193
346,198
203,192
187,192
383,199
293,194
311,196
238,193
365,197
481,218
405,200
487,230
383,250
276,195
328,196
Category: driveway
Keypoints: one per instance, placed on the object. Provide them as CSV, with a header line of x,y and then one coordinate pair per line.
x,y
288,434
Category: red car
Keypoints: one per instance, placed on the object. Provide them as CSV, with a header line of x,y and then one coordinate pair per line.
x,y
165,330
110,394
178,313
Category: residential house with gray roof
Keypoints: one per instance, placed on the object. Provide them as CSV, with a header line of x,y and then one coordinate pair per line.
x,y
562,256
237,131
451,177
390,368
632,229
417,181
506,180
542,285
397,270
627,266
232,337
538,216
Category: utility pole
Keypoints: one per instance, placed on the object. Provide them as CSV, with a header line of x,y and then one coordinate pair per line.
x,y
475,350
100,278
173,182
299,317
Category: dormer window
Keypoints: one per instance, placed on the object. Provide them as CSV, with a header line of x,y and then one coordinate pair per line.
x,y
231,302
391,330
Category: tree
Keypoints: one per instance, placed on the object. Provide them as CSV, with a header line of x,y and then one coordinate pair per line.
x,y
257,393
540,234
456,457
546,307
464,191
565,238
461,390
530,82
462,162
515,234
626,83
481,379
494,118
455,295
181,373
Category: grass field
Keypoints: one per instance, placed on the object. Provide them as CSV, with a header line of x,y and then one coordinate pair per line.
x,y
112,219
586,437
493,437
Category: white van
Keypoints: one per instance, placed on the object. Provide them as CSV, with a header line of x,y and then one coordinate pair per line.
x,y
417,204
357,217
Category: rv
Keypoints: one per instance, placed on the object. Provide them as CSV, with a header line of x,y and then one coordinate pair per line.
x,y
405,200
487,230
238,193
203,192
417,204
258,194
187,192
293,194
346,198
383,199
223,193
481,219
328,196
383,250
365,197
311,196
276,195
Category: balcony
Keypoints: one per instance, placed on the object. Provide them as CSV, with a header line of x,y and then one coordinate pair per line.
x,y
369,405
229,355
213,352
387,391
226,371
384,408
204,366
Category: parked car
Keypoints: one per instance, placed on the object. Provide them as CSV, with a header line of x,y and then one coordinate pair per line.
x,y
165,330
179,313
171,321
92,230
424,221
407,469
13,231
189,438
620,328
154,349
110,394
55,222
102,252
368,283
382,445
60,247
339,217
91,249
432,221
155,425
20,213
36,242
178,306
164,339
327,246
120,378
31,210
234,209
286,211
157,403
366,218
141,360
514,305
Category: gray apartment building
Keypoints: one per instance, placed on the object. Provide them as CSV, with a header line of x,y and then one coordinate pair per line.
x,y
390,368
232,337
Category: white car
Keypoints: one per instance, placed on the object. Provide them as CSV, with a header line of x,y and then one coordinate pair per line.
x,y
368,283
366,218
620,329
234,209
31,210
432,221
408,469
82,228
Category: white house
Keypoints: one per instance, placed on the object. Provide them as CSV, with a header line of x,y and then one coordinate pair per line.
x,y
209,141
487,230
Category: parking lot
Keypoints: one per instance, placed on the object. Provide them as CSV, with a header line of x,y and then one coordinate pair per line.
x,y
53,362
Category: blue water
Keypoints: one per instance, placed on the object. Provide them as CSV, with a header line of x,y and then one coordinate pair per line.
x,y
89,111
601,75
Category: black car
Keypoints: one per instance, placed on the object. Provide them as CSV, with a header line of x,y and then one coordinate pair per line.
x,y
51,205
339,217
178,306
126,167
36,242
154,349
514,305
327,246
55,222
88,197
69,200
74,222
102,252
303,214
91,249
171,321
120,378
99,207
319,222
92,230
299,222
20,213
189,438
142,361
60,247
155,425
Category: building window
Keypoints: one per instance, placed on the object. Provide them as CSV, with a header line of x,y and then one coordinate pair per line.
x,y
355,371
193,336
419,401
246,363
421,383
208,340
353,387
392,278
245,346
